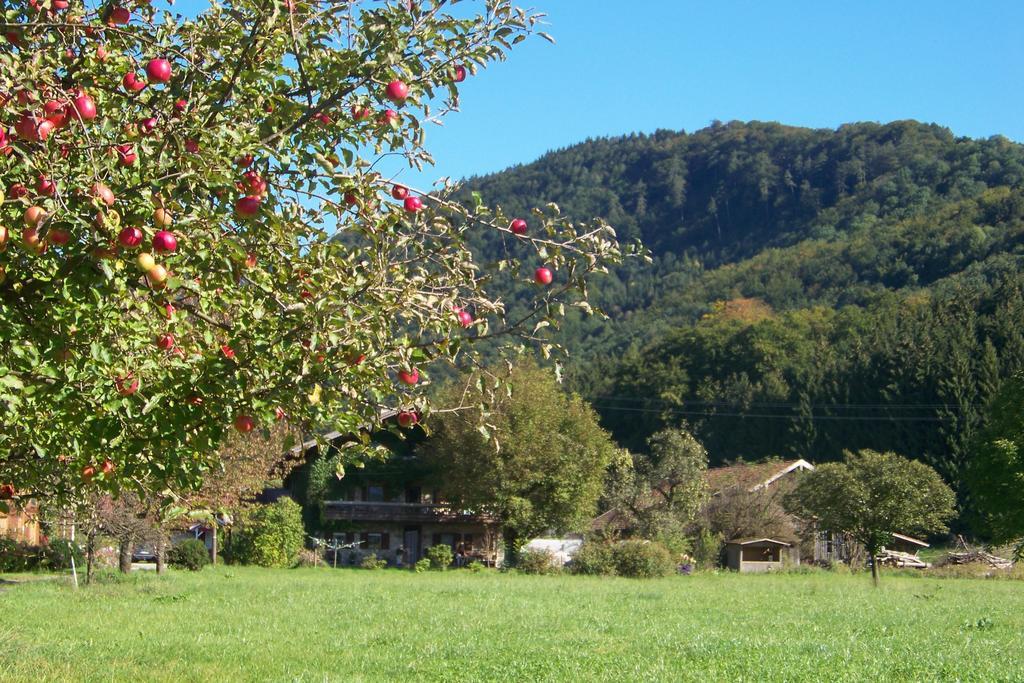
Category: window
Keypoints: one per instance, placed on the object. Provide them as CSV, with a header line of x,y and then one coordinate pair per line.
x,y
375,493
373,541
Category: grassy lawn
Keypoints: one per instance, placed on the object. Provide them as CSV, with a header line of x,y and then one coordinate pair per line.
x,y
235,624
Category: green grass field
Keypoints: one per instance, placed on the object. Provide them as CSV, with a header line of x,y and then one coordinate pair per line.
x,y
238,624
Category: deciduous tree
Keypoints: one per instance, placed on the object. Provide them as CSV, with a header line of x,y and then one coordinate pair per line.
x,y
197,234
538,461
871,495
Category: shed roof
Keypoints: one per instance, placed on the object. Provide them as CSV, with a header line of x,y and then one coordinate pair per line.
x,y
752,541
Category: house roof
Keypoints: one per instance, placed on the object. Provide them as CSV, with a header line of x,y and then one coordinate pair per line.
x,y
752,476
752,541
749,476
910,539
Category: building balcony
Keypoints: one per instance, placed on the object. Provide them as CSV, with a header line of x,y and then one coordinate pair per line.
x,y
410,513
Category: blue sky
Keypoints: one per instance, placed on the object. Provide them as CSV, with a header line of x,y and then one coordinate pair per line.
x,y
622,67
679,64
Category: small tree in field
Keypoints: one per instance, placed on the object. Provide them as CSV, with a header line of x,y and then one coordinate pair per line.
x,y
870,495
537,463
195,234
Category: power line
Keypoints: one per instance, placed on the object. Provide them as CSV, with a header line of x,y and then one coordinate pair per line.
x,y
851,418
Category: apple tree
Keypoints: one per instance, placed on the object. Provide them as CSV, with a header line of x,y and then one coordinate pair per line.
x,y
196,234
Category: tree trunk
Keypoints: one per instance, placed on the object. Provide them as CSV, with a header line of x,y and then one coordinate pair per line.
x,y
213,550
124,556
161,554
873,559
90,555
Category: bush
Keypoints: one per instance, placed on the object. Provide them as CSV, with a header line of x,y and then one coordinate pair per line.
x,y
642,559
310,558
422,565
371,562
594,557
191,554
16,556
270,535
476,566
538,562
59,552
440,556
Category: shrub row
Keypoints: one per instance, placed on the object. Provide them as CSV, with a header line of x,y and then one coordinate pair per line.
x,y
16,556
634,558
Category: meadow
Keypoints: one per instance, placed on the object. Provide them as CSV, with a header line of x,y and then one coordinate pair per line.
x,y
240,624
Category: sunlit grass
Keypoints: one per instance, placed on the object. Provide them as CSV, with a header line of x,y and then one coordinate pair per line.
x,y
232,624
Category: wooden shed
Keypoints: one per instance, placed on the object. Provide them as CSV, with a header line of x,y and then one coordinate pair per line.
x,y
756,554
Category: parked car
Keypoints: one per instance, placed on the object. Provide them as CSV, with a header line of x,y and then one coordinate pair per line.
x,y
144,553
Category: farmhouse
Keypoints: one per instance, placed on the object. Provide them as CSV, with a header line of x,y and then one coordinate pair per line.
x,y
22,524
395,511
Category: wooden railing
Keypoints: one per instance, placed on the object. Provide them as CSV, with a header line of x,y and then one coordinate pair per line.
x,y
361,511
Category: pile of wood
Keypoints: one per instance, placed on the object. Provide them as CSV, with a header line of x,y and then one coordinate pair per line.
x,y
894,558
978,557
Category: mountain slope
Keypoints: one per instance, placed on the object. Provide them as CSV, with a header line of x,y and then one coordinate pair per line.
x,y
811,290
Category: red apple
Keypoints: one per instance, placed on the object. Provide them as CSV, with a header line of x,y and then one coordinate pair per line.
x,y
518,226
56,112
397,91
361,112
7,491
44,129
107,467
132,82
157,276
30,237
164,241
465,317
354,358
413,204
387,117
248,207
130,237
26,127
409,377
250,260
245,424
119,15
148,125
165,342
192,146
228,352
351,199
126,155
407,419
279,413
159,70
58,236
3,238
34,215
85,107
542,276
323,118
244,161
399,191
45,186
88,472
180,106
459,74
17,190
103,193
126,385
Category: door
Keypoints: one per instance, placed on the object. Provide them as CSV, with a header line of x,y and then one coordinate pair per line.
x,y
412,545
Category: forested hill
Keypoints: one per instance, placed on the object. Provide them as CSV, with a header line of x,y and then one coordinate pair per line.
x,y
811,290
